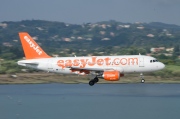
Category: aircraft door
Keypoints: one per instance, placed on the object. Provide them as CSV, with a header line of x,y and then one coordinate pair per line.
x,y
50,65
141,62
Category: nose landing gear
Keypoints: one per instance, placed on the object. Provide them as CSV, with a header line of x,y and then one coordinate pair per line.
x,y
142,78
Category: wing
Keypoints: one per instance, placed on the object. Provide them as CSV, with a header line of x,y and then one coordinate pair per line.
x,y
90,69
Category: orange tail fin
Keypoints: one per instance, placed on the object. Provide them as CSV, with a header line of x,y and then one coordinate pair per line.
x,y
31,49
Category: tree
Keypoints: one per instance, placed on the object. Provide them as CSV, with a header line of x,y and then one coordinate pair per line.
x,y
8,56
0,49
176,51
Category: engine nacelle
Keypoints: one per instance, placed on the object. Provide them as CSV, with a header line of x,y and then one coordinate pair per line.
x,y
111,75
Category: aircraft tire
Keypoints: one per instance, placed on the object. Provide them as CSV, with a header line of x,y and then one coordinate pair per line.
x,y
91,82
143,81
96,80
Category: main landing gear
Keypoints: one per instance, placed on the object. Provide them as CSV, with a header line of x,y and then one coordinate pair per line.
x,y
142,78
93,81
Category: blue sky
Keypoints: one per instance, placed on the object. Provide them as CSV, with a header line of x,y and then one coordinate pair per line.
x,y
84,11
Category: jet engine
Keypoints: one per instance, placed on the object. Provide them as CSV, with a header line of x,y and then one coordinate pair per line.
x,y
111,75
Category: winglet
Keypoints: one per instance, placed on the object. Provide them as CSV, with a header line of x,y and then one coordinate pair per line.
x,y
31,49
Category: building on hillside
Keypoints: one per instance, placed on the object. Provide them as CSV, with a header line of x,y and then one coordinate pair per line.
x,y
106,39
3,25
169,49
140,27
7,44
150,35
157,49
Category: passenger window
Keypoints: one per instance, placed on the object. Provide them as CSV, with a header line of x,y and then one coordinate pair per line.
x,y
153,60
150,61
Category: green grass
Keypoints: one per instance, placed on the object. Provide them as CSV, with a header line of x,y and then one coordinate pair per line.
x,y
172,67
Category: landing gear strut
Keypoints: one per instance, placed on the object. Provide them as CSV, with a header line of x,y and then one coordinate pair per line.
x,y
142,78
93,81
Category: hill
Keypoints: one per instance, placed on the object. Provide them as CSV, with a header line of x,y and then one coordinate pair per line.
x,y
102,38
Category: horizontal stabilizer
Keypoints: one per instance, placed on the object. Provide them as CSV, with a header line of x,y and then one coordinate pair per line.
x,y
25,62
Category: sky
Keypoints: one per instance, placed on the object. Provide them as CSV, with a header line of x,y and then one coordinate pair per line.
x,y
91,11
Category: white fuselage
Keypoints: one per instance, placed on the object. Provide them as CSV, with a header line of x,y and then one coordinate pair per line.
x,y
123,64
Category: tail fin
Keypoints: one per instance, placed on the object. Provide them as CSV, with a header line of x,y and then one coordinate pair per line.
x,y
31,49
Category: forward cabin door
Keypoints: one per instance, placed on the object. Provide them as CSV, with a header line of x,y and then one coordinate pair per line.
x,y
141,62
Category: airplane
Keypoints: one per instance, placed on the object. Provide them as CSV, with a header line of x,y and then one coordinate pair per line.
x,y
110,68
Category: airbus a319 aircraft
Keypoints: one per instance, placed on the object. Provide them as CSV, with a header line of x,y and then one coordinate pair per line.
x,y
110,68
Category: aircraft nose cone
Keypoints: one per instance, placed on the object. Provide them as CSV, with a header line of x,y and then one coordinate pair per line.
x,y
162,66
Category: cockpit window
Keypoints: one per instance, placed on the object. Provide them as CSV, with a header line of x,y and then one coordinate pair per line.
x,y
155,60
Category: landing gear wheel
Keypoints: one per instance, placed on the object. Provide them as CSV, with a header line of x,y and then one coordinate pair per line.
x,y
91,82
142,80
96,79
